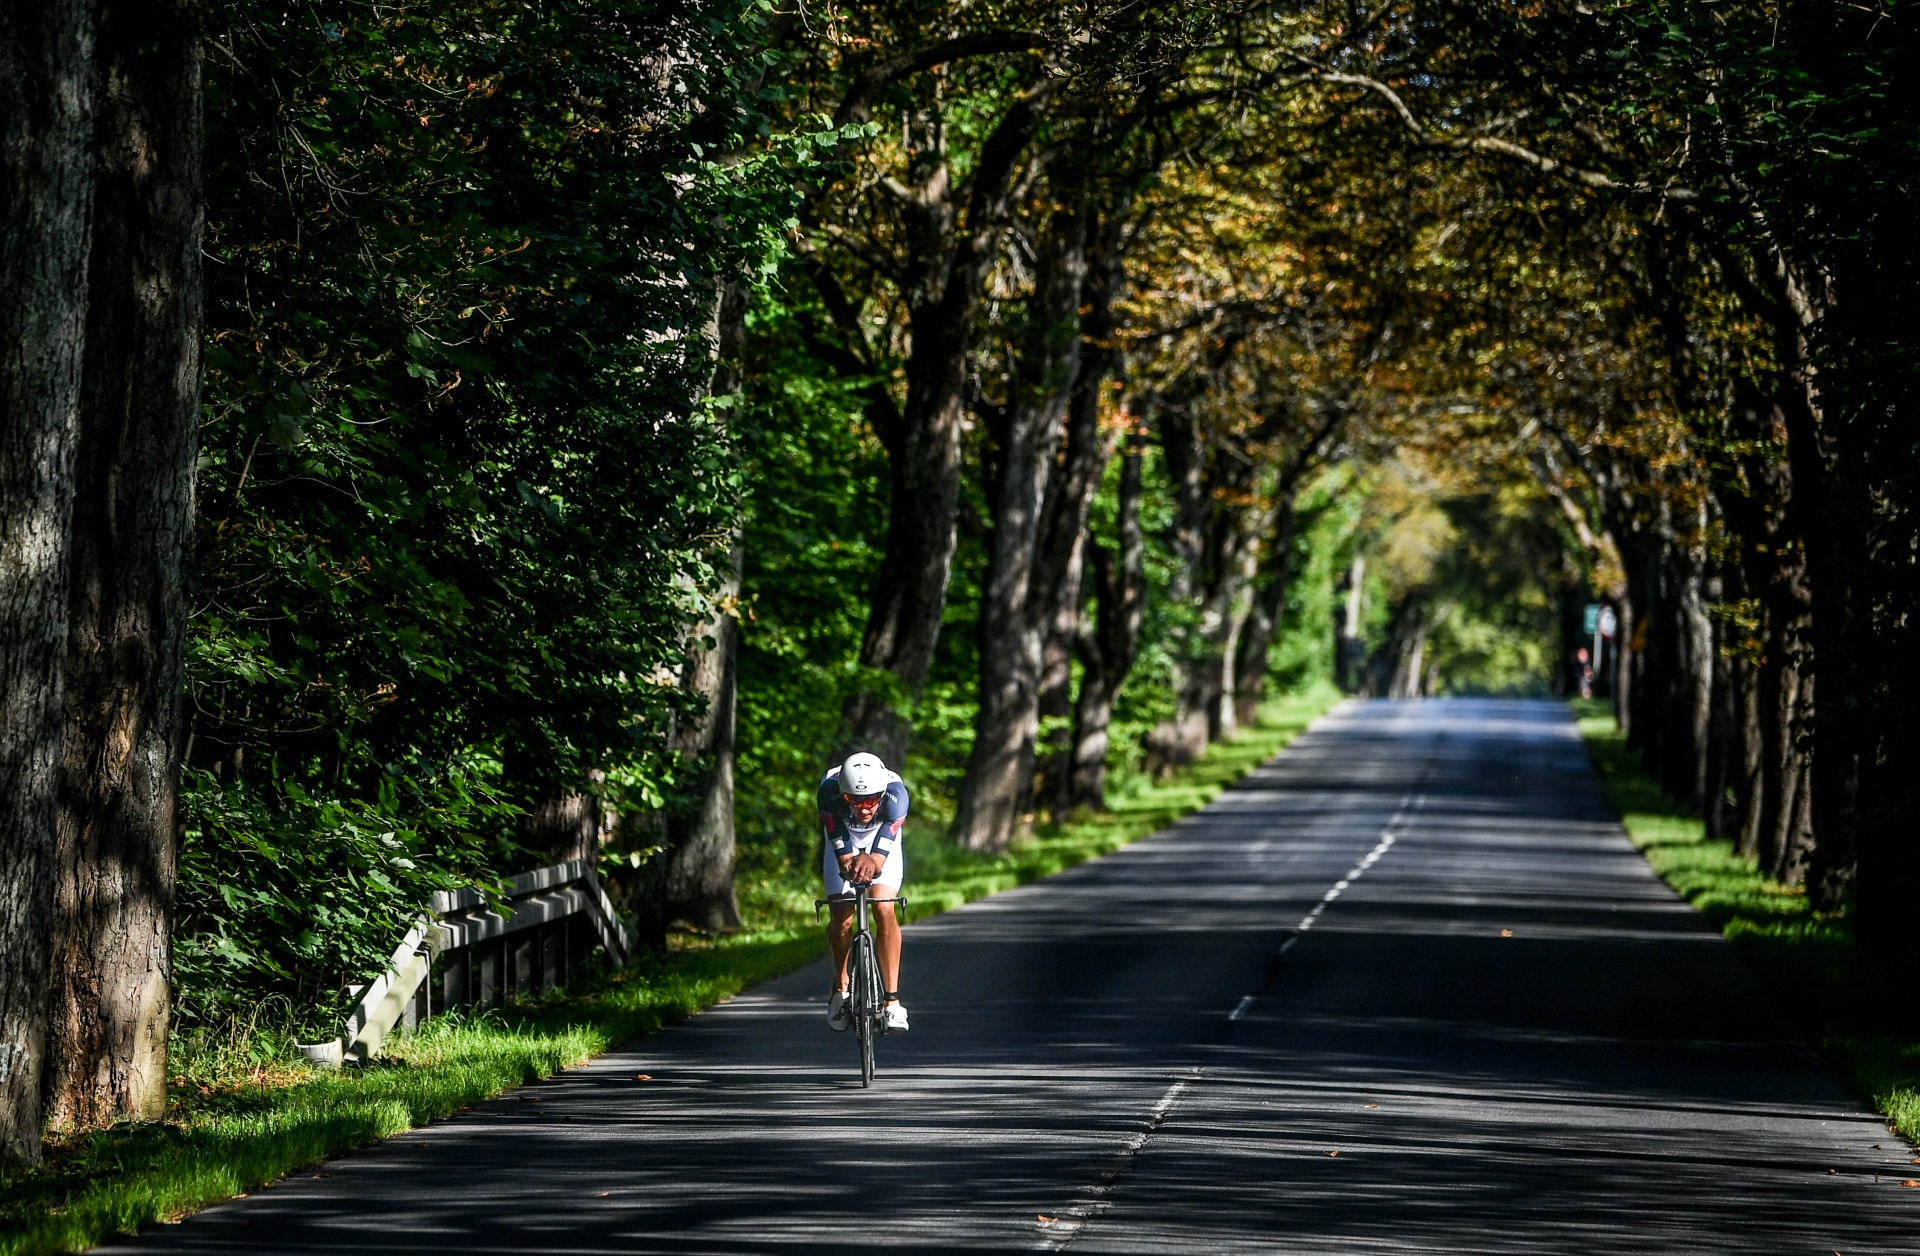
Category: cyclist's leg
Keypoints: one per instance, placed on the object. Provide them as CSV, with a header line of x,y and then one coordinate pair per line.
x,y
886,925
840,920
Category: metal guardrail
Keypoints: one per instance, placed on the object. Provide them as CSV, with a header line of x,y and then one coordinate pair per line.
x,y
465,953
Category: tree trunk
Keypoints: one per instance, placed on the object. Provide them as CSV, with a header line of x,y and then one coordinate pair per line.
x,y
1836,546
1054,771
568,827
698,880
132,525
695,881
996,794
1264,620
1748,790
952,255
46,197
1723,739
1347,644
1120,585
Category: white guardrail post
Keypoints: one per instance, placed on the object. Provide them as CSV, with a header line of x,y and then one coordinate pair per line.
x,y
463,918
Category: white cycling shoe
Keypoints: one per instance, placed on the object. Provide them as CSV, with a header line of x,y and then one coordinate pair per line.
x,y
896,1014
839,1012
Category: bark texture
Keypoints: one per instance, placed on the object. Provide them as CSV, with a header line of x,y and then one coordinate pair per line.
x,y
1018,599
46,193
1264,618
952,235
132,523
1107,653
698,878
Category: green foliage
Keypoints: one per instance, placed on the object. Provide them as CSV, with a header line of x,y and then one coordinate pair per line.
x,y
459,490
815,525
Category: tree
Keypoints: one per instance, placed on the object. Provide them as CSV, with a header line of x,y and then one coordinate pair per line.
x,y
131,526
46,109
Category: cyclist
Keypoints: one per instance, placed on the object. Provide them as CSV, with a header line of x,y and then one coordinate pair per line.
x,y
862,808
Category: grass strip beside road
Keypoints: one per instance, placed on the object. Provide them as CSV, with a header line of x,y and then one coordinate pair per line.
x,y
1860,1011
244,1115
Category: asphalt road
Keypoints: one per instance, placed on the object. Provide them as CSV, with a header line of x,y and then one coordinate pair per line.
x,y
1497,1032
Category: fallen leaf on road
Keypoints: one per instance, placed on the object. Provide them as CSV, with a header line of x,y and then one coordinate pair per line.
x,y
1044,1217
321,1175
1835,1172
643,1077
1506,933
241,1195
1910,1182
1333,1153
1373,1105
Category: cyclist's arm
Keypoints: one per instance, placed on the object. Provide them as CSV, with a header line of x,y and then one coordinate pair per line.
x,y
833,821
893,816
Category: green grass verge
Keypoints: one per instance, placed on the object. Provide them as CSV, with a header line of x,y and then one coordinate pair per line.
x,y
241,1116
1858,1010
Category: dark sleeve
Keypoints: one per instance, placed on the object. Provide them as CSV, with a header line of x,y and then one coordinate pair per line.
x,y
893,815
833,819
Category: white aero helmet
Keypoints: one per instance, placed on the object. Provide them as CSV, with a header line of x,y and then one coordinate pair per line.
x,y
863,775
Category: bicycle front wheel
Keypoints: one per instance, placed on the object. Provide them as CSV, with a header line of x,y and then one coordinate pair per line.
x,y
865,998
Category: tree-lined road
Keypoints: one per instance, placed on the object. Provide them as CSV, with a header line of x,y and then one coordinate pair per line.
x,y
1504,1034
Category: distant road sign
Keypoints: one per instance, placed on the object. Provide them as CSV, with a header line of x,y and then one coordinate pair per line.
x,y
1592,619
1607,622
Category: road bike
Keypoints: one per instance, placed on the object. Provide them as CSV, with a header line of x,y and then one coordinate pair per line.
x,y
866,997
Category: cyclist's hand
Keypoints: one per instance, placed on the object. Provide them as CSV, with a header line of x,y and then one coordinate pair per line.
x,y
864,868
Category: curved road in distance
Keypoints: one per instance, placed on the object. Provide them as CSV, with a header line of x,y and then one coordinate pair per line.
x,y
1406,988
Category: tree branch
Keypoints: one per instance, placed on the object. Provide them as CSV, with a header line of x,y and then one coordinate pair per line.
x,y
1596,179
853,107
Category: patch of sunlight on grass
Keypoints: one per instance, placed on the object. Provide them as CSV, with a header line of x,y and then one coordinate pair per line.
x,y
240,1114
1859,1010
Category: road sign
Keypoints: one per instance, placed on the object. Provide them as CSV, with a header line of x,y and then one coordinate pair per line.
x,y
1607,623
1592,620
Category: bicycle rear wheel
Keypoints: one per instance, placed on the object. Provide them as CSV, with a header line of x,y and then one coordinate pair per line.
x,y
865,997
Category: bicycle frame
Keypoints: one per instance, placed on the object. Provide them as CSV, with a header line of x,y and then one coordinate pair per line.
x,y
865,990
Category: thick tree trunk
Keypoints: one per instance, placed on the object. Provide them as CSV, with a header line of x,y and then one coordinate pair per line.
x,y
695,882
46,195
698,880
996,794
567,827
1264,620
1836,548
1750,759
952,254
1055,768
1120,586
1348,648
910,592
1693,707
132,524
1786,724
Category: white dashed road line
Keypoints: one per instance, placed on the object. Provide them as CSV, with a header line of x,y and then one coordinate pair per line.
x,y
1060,1230
1057,1231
